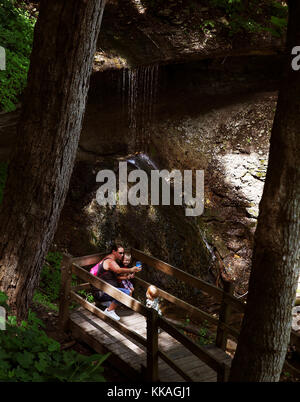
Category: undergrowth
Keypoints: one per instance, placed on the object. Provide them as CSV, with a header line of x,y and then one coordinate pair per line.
x,y
47,293
16,37
235,16
27,354
254,15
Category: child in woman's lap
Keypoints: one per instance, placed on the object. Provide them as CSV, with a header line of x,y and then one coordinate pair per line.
x,y
125,279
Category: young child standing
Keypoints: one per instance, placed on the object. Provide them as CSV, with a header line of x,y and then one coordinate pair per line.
x,y
152,299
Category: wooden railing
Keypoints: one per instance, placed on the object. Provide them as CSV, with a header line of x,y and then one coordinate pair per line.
x,y
73,266
227,303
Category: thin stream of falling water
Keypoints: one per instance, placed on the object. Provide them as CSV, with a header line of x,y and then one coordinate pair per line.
x,y
141,86
123,89
145,90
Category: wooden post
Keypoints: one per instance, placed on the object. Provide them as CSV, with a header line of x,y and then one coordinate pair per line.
x,y
223,373
224,316
152,346
65,287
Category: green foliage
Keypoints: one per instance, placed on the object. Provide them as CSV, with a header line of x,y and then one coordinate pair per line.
x,y
204,338
207,25
47,293
3,299
3,175
87,295
250,16
278,26
43,299
16,36
49,284
27,354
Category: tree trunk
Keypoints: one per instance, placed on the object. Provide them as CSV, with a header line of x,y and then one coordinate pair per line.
x,y
265,333
47,138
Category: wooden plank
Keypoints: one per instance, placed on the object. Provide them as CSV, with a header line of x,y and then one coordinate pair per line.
x,y
223,374
109,289
174,366
116,342
198,370
203,374
66,279
199,351
129,354
120,364
98,328
113,341
167,374
89,259
136,326
219,354
136,320
177,273
194,312
189,362
195,369
171,347
176,353
152,345
224,317
82,286
125,349
185,277
99,313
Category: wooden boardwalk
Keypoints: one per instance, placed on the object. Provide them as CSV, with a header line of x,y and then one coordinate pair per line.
x,y
130,356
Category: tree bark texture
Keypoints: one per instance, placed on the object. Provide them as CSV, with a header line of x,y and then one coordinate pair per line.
x,y
47,138
265,333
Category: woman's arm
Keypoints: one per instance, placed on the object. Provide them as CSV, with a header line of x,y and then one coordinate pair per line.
x,y
122,277
113,266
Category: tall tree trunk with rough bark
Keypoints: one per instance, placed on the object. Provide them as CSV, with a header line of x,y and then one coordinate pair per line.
x,y
265,333
48,133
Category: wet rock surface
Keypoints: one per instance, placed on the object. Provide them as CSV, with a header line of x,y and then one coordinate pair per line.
x,y
230,143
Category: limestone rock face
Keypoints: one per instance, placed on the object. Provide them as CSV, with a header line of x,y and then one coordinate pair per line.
x,y
136,32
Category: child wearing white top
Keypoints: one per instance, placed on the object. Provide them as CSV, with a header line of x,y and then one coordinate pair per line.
x,y
153,300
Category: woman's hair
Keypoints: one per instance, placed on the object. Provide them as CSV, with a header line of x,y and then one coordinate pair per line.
x,y
114,247
152,292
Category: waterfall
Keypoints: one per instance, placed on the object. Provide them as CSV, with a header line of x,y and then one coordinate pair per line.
x,y
140,87
142,161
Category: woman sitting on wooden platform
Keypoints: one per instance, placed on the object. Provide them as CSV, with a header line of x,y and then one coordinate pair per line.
x,y
108,269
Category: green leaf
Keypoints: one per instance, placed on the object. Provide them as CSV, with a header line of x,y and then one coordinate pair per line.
x,y
25,359
54,346
41,365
